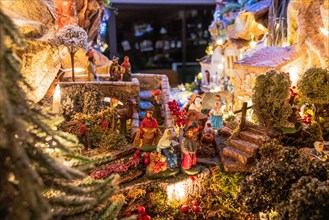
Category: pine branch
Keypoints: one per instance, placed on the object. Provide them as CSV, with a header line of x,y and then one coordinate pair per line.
x,y
51,164
80,188
68,201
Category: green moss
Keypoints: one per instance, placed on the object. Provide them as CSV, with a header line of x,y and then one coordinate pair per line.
x,y
270,99
314,86
218,198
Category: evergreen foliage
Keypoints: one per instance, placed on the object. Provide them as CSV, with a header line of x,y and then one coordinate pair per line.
x,y
270,99
35,183
314,89
275,183
314,86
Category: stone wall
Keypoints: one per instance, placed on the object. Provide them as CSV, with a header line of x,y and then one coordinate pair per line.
x,y
122,91
157,81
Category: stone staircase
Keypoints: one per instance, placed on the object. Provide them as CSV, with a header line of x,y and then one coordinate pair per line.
x,y
149,82
239,153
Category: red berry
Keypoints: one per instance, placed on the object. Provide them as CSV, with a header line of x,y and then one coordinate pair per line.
x,y
194,202
147,217
192,178
128,214
196,209
147,155
141,210
137,152
135,156
146,161
184,208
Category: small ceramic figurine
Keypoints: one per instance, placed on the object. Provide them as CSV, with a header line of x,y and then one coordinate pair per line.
x,y
149,133
196,104
189,145
318,152
127,69
92,66
165,147
157,103
216,116
207,74
115,70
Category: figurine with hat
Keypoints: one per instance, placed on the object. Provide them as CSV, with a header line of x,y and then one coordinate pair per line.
x,y
115,69
157,103
92,65
189,148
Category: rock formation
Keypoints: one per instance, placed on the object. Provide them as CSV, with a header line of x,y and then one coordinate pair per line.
x,y
38,21
305,18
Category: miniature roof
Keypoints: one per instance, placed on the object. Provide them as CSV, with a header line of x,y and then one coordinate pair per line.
x,y
269,57
259,8
237,43
205,59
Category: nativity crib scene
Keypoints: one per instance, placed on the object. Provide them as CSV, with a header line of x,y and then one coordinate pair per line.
x,y
96,140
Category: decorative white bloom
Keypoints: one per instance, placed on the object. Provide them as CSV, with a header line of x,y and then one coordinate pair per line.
x,y
73,37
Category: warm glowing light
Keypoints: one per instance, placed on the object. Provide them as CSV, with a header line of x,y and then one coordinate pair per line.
x,y
293,74
177,192
220,66
210,50
76,69
253,43
325,31
57,99
200,76
220,41
261,27
217,89
223,59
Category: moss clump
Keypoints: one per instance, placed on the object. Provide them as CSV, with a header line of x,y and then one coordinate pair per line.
x,y
314,86
86,99
270,99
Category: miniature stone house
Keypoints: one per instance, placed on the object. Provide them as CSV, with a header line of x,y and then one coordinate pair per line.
x,y
284,59
205,66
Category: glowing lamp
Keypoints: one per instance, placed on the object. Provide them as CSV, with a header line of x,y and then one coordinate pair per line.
x,y
325,31
76,70
253,43
177,192
200,76
57,100
220,41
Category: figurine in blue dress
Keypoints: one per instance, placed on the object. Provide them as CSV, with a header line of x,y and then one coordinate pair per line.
x,y
216,116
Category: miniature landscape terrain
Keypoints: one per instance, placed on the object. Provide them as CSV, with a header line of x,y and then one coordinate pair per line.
x,y
85,137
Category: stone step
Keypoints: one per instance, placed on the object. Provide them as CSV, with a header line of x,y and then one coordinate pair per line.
x,y
238,155
251,137
225,131
262,131
235,166
145,105
257,130
244,146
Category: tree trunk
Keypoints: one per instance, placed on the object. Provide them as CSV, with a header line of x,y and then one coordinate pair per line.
x,y
72,62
